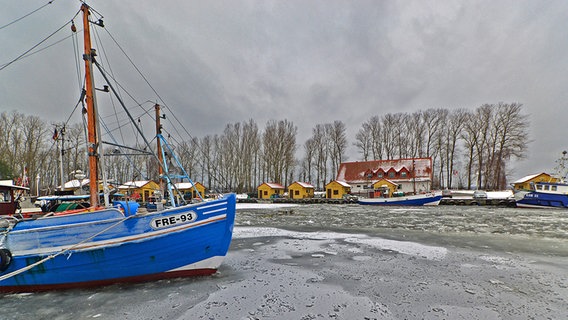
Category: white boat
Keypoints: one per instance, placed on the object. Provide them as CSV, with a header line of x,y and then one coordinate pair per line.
x,y
426,199
543,195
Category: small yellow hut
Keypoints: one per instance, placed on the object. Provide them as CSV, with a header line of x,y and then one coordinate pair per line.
x,y
189,191
139,190
301,190
525,182
336,189
269,190
384,188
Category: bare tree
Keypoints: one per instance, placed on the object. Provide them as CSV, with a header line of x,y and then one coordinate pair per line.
x,y
338,144
279,146
454,128
369,139
511,137
321,154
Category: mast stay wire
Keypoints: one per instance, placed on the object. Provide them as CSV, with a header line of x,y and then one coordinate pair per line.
x,y
205,155
36,45
26,15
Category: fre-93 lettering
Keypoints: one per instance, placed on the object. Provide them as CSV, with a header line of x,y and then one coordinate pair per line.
x,y
172,220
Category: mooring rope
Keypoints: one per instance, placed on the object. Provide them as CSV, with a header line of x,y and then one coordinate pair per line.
x,y
28,267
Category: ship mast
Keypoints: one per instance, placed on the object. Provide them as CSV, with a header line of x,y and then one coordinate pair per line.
x,y
159,149
92,141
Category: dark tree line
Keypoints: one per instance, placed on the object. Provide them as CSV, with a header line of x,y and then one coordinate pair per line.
x,y
468,147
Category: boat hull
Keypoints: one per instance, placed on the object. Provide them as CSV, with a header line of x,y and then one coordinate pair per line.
x,y
535,199
427,199
83,250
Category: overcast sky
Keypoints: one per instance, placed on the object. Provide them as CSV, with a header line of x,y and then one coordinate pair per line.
x,y
311,62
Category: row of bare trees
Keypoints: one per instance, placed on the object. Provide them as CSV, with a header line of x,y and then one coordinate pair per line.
x,y
473,147
469,148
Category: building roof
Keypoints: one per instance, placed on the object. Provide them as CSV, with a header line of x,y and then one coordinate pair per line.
x,y
134,184
273,185
74,184
185,185
10,184
387,180
356,171
530,177
304,185
343,183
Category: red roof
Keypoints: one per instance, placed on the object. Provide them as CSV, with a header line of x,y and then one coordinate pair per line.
x,y
358,171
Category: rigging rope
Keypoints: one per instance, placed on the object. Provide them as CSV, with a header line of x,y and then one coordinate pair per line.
x,y
52,256
27,15
35,46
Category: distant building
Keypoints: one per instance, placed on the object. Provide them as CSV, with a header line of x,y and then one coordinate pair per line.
x,y
269,190
525,182
384,188
139,190
410,175
189,191
336,189
300,190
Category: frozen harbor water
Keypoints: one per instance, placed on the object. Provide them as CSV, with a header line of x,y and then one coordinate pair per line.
x,y
353,262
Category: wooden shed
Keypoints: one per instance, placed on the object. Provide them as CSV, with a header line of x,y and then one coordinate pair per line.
x,y
189,191
139,190
269,190
301,190
525,182
336,189
383,188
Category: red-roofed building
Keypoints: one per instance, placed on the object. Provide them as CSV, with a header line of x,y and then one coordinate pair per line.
x,y
411,175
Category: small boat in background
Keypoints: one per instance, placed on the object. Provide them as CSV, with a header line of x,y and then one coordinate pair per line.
x,y
543,195
426,199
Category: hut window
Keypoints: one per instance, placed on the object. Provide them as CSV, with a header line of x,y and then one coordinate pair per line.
x,y
403,174
297,192
335,192
391,174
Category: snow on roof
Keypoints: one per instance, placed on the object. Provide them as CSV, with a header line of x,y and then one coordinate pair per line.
x,y
274,185
357,171
529,177
304,185
184,185
10,184
343,183
134,184
73,184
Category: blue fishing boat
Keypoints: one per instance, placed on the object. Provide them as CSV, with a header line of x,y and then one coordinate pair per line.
x,y
426,199
113,242
543,195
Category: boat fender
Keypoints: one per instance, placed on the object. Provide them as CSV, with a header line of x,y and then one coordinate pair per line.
x,y
5,259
